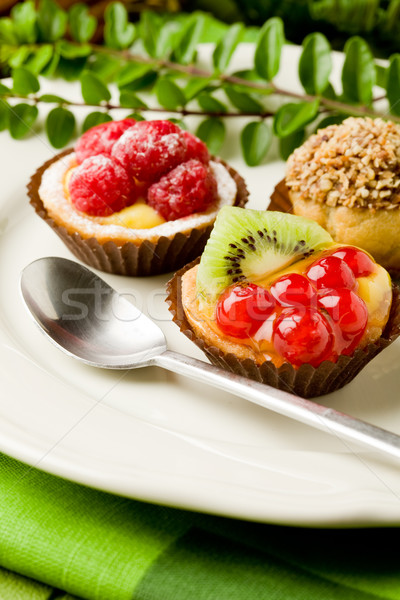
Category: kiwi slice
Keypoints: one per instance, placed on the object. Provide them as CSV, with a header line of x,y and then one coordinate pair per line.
x,y
246,245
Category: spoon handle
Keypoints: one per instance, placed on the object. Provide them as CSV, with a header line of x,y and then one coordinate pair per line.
x,y
336,423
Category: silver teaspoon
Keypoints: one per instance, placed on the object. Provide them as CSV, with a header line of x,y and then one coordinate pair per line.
x,y
90,321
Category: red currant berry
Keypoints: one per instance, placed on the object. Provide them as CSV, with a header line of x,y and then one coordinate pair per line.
x,y
294,290
100,186
303,336
196,148
331,272
241,309
349,312
358,261
189,188
101,138
150,149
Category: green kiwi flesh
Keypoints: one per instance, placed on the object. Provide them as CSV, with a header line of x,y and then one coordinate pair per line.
x,y
246,245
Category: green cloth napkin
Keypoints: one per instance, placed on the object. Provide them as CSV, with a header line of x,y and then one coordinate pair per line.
x,y
59,538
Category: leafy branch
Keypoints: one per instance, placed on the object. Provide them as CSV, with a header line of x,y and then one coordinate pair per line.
x,y
154,68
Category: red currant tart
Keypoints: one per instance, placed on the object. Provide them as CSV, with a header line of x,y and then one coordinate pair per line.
x,y
274,297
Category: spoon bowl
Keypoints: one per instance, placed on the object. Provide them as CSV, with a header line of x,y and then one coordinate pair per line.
x,y
86,318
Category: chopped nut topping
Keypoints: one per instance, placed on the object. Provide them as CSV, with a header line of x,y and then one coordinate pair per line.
x,y
355,164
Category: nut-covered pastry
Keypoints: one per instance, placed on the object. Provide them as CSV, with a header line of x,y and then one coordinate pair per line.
x,y
347,178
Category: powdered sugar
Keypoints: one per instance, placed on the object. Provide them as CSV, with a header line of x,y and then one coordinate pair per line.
x,y
59,207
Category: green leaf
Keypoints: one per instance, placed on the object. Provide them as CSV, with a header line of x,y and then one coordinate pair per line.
x,y
150,26
135,116
105,67
21,119
315,63
358,73
243,101
393,84
226,46
24,18
132,72
95,118
7,32
255,140
195,86
169,95
329,92
50,69
331,120
4,111
269,48
210,104
40,59
24,82
60,124
212,132
293,116
52,99
82,24
290,142
52,21
180,122
94,91
128,99
118,32
69,50
18,57
4,90
381,74
70,69
167,38
189,38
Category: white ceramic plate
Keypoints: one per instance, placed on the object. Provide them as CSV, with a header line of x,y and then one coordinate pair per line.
x,y
156,436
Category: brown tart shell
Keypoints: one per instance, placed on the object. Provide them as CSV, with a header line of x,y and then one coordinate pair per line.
x,y
164,255
306,381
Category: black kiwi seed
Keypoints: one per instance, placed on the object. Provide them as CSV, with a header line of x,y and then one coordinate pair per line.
x,y
232,246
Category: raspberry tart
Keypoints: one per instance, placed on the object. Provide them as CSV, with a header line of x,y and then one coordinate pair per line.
x,y
273,297
135,198
347,178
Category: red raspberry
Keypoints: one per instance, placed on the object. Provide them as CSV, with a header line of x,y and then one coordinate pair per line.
x,y
100,139
189,188
196,148
100,187
150,149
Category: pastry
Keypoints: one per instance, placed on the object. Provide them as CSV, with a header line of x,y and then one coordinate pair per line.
x,y
273,297
135,198
347,178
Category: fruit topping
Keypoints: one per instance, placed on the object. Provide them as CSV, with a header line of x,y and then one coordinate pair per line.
x,y
100,186
294,290
196,148
331,272
303,336
241,309
100,139
251,244
150,149
350,315
358,261
189,188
